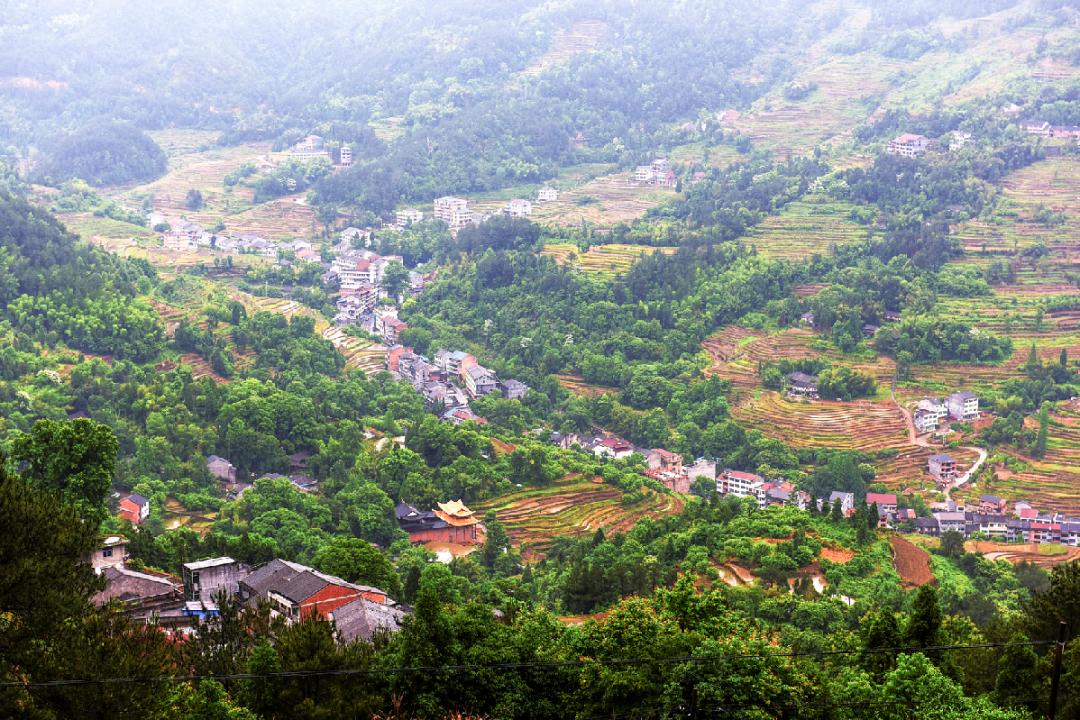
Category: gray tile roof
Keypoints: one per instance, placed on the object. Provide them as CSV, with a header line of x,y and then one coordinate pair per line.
x,y
362,618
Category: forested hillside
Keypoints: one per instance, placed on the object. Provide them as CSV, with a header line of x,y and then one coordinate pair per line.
x,y
538,359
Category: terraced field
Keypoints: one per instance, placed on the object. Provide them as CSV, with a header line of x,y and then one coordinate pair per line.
x,y
570,508
908,468
602,260
194,164
581,37
1053,184
738,353
939,377
603,201
1049,483
577,385
859,425
813,225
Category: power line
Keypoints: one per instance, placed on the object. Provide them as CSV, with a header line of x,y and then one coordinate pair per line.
x,y
555,664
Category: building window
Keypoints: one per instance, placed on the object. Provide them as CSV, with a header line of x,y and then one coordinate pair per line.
x,y
107,552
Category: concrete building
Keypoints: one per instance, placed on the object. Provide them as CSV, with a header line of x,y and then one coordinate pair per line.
x,y
205,579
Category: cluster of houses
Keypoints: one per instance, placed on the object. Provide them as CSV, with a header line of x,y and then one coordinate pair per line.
x,y
313,147
235,486
457,214
930,413
184,235
1045,129
659,173
450,381
292,591
994,520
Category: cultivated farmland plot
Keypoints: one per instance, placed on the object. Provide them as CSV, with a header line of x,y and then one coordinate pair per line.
x,y
1051,482
810,226
858,425
602,260
581,37
572,507
1053,184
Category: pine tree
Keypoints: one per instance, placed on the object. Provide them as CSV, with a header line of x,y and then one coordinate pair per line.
x,y
1039,449
924,623
880,631
837,511
1018,676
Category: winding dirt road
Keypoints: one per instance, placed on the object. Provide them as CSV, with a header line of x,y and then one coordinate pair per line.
x,y
924,441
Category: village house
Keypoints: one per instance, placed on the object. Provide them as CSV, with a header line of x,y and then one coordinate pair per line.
x,y
1022,506
807,318
221,468
454,212
1036,127
847,501
929,413
801,385
450,362
518,208
459,415
479,381
547,194
111,552
664,461
991,504
1066,132
451,522
514,389
408,216
702,467
310,148
297,591
363,619
942,467
886,502
614,448
205,579
142,594
739,484
951,522
964,406
345,156
908,145
134,508
643,174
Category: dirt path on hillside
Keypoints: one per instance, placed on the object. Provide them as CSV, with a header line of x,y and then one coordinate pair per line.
x,y
924,441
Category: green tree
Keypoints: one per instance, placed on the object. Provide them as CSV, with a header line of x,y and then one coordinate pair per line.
x,y
952,544
497,542
1018,679
395,279
924,621
75,458
357,561
1039,448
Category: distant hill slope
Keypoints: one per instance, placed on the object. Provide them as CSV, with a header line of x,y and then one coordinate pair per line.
x,y
54,286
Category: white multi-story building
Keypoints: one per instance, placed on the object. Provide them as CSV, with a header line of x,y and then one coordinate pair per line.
x,y
964,406
310,148
518,208
929,414
547,194
908,145
408,216
740,484
453,211
346,156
